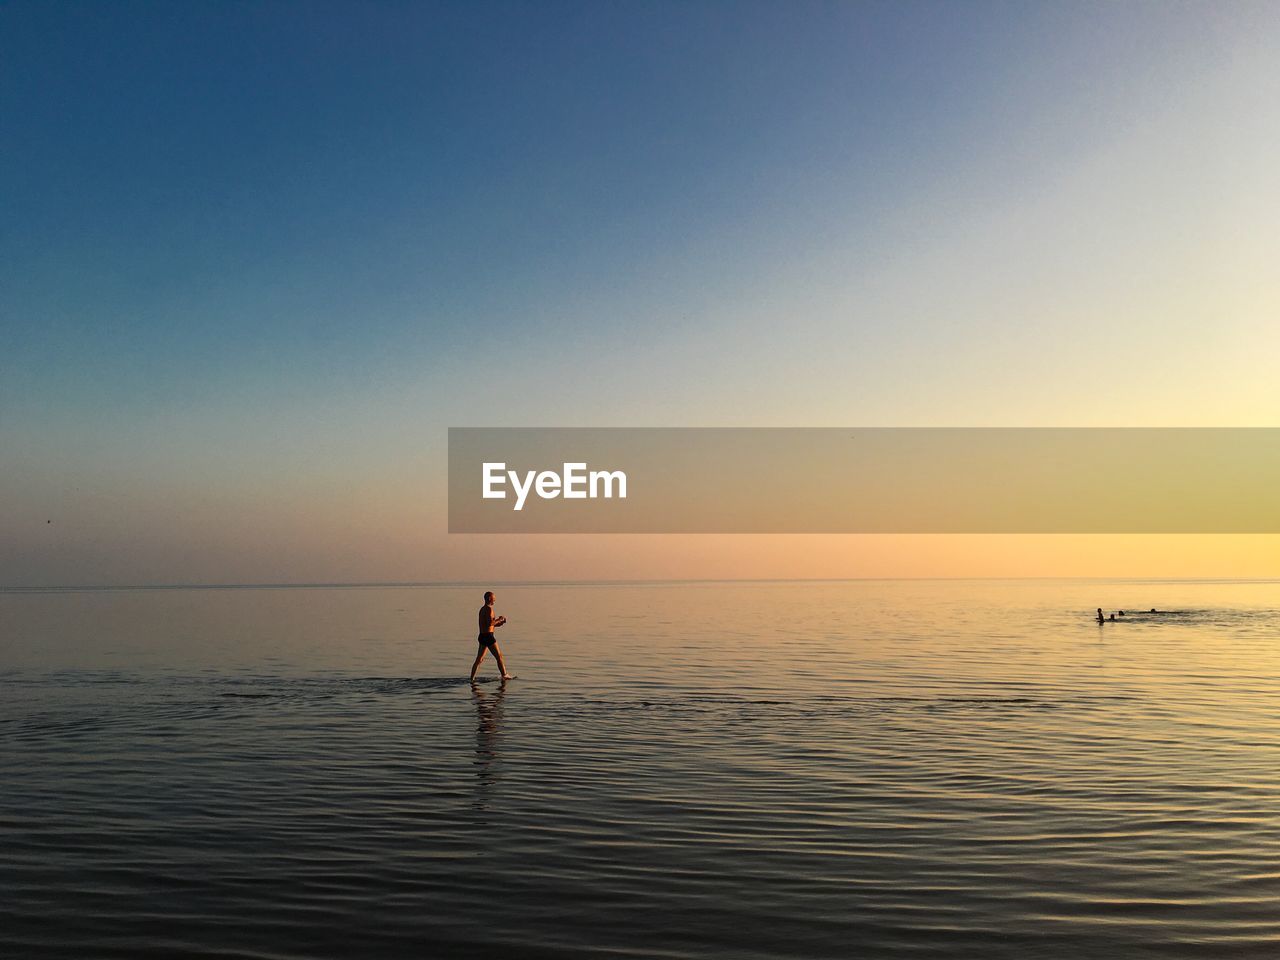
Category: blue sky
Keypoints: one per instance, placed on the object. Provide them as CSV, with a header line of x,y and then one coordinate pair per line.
x,y
257,253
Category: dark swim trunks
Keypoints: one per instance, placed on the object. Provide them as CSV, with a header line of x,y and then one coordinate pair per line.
x,y
487,639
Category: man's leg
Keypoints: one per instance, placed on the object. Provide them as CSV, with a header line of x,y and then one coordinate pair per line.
x,y
502,667
476,666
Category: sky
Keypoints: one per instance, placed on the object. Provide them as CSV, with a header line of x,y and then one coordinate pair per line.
x,y
255,259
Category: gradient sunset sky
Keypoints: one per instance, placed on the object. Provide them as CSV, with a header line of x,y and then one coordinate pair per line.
x,y
256,258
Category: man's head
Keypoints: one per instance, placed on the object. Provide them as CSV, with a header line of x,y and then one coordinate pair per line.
x,y
489,597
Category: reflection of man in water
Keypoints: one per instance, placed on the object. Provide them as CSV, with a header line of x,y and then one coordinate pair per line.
x,y
488,723
487,641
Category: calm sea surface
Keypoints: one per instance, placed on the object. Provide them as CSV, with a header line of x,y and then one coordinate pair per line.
x,y
763,770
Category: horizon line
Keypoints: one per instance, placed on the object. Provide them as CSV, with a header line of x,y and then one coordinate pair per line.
x,y
359,584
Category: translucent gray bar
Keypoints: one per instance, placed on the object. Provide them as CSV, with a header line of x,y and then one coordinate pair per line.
x,y
866,480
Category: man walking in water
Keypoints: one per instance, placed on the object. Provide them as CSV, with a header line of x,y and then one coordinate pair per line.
x,y
489,623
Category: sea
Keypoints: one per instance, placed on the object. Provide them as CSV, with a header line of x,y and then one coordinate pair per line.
x,y
751,770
